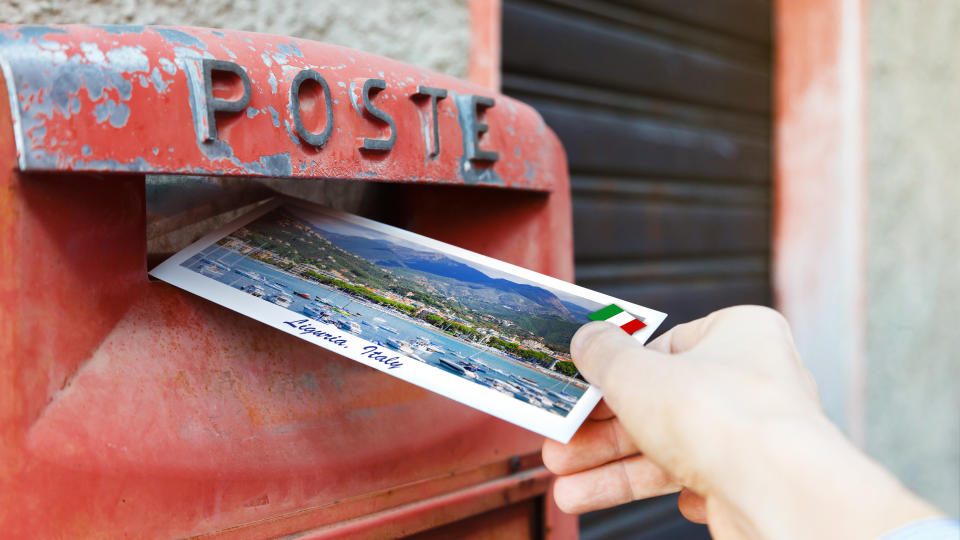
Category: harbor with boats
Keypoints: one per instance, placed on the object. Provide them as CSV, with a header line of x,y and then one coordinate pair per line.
x,y
377,324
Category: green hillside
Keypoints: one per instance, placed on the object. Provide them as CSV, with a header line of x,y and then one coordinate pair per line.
x,y
290,238
284,240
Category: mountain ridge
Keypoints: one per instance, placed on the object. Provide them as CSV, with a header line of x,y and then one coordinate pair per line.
x,y
437,264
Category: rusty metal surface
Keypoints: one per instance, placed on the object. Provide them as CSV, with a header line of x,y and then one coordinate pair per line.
x,y
429,513
507,522
124,98
131,409
461,493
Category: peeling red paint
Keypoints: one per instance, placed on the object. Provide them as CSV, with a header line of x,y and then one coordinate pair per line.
x,y
122,99
129,408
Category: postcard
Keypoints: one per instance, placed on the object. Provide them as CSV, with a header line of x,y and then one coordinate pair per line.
x,y
480,331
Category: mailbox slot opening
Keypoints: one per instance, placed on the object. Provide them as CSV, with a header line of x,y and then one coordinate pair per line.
x,y
182,209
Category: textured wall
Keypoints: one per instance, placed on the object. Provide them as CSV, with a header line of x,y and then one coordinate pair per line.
x,y
913,370
434,34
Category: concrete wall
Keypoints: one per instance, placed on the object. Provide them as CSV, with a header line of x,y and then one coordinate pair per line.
x,y
913,325
434,34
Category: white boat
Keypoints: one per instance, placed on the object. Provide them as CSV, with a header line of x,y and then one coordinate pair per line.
x,y
390,329
249,275
508,387
546,402
275,287
315,312
422,345
403,347
452,368
349,326
255,290
431,346
281,300
561,396
212,262
211,267
470,371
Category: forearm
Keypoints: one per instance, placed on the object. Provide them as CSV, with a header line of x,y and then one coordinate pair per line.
x,y
807,480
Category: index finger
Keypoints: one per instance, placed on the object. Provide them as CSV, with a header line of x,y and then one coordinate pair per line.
x,y
601,412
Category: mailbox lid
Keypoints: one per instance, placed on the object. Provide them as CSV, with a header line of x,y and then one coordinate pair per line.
x,y
134,99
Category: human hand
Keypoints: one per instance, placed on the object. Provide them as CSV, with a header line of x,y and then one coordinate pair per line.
x,y
723,408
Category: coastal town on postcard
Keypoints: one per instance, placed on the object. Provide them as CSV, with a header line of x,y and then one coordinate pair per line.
x,y
467,319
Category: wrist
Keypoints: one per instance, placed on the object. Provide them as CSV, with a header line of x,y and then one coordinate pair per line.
x,y
806,480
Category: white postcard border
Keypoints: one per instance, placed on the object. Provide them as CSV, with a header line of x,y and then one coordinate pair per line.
x,y
431,378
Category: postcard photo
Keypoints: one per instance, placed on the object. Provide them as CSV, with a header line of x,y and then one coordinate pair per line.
x,y
477,330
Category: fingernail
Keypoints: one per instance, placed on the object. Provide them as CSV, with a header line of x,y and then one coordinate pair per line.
x,y
585,334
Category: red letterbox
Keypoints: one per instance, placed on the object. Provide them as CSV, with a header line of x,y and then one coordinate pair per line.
x,y
130,408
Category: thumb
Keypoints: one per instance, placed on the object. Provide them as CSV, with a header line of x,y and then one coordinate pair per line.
x,y
627,373
605,355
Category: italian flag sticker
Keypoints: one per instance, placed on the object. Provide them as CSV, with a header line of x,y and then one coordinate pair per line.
x,y
613,314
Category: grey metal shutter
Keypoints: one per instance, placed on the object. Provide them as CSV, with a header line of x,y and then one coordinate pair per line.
x,y
663,107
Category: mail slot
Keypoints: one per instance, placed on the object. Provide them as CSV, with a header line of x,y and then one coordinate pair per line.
x,y
131,408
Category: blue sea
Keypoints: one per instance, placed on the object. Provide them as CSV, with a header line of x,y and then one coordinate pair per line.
x,y
497,367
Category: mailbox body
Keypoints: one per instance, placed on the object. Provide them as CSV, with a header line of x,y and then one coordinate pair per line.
x,y
130,408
